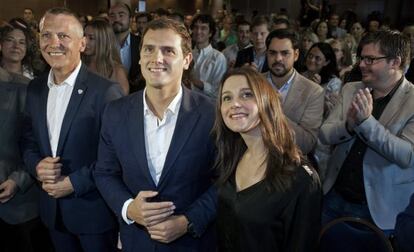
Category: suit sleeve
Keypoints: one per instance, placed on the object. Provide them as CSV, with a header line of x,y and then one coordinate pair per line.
x,y
108,173
306,130
396,149
204,210
82,179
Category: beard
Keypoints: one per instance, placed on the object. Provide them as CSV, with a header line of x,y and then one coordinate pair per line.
x,y
119,28
280,73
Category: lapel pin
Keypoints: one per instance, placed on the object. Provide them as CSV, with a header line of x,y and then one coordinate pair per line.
x,y
80,91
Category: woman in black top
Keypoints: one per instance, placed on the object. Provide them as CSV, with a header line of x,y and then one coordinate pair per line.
x,y
268,200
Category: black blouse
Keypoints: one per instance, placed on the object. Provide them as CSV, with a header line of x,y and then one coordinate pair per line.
x,y
256,219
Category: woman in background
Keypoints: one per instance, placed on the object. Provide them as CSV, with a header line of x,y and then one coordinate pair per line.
x,y
19,49
268,200
322,68
343,56
101,54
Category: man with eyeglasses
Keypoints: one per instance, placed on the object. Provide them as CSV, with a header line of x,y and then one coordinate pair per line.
x,y
371,171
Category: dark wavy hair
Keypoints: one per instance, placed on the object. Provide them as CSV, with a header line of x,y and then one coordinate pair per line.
x,y
283,155
331,68
32,53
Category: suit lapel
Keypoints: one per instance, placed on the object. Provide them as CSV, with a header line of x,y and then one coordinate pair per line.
x,y
293,97
186,121
136,134
73,106
395,104
43,130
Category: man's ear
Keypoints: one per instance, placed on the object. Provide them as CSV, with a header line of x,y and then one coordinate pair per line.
x,y
187,60
396,62
83,44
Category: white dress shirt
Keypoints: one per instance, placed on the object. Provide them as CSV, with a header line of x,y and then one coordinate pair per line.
x,y
210,66
57,103
158,135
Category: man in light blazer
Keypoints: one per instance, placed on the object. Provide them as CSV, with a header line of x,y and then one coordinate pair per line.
x,y
60,138
302,98
371,171
155,157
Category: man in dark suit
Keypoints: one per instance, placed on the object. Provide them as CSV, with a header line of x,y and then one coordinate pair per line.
x,y
255,55
120,18
20,224
61,135
155,153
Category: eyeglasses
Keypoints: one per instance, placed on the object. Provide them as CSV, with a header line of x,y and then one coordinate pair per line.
x,y
368,60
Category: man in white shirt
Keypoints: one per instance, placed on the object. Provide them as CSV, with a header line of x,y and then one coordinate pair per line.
x,y
210,65
243,41
156,153
60,138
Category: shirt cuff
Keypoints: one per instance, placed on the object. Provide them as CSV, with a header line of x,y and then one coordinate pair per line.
x,y
124,212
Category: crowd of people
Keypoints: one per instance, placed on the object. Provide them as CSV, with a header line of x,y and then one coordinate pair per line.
x,y
168,132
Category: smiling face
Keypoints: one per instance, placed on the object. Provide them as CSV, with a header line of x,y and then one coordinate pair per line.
x,y
315,60
162,60
13,46
238,106
379,71
243,34
201,34
61,42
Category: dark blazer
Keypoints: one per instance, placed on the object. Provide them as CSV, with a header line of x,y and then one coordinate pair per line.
x,y
134,76
247,56
122,169
83,211
404,228
24,205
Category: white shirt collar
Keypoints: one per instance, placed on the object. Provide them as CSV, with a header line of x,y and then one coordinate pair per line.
x,y
173,107
69,81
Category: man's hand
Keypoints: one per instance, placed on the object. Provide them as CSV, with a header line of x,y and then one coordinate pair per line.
x,y
363,105
169,230
7,190
61,188
149,213
48,170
